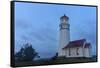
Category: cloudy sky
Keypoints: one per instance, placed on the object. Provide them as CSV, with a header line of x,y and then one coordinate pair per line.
x,y
38,24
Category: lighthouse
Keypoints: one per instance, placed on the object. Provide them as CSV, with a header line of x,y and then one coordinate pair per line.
x,y
64,36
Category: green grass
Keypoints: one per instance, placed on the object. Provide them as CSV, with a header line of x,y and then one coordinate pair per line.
x,y
57,61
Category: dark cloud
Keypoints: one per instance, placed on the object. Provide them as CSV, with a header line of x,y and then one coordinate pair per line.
x,y
23,24
43,34
44,40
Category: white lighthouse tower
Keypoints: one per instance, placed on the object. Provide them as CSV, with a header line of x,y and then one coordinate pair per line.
x,y
64,36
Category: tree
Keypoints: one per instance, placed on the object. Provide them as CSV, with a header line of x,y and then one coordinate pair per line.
x,y
26,53
55,57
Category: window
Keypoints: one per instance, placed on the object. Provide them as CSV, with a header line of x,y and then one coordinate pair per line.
x,y
77,51
69,52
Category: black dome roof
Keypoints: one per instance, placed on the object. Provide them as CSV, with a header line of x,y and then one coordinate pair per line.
x,y
64,17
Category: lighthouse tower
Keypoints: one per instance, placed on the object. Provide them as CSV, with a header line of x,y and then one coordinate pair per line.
x,y
64,36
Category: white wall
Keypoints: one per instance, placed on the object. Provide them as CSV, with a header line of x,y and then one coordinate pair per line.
x,y
87,52
73,52
83,52
63,40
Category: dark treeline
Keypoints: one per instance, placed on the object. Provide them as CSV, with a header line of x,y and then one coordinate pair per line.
x,y
26,53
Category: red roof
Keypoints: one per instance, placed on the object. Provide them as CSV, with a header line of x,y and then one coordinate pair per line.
x,y
76,43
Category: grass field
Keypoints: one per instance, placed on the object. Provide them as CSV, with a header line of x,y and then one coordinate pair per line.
x,y
56,61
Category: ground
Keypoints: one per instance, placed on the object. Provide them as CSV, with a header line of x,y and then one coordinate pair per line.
x,y
60,60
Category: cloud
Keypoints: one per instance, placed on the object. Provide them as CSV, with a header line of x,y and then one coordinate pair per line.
x,y
22,24
44,40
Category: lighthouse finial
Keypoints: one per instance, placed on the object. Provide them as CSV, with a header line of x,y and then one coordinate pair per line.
x,y
64,17
64,14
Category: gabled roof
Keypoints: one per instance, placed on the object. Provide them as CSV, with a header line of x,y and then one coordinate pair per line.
x,y
76,43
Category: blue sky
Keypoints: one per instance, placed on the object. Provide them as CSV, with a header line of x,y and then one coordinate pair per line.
x,y
38,24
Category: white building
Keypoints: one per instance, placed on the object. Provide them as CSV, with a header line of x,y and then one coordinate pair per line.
x,y
67,48
78,48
